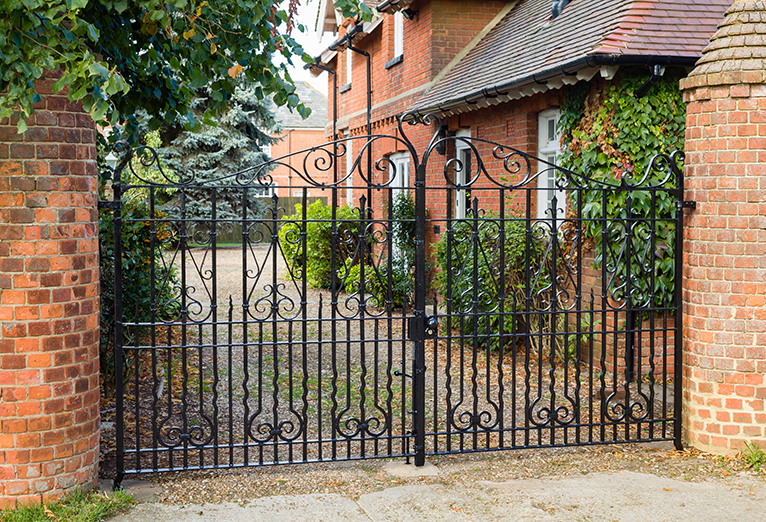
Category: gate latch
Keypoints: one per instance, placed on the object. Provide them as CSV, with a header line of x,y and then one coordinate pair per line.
x,y
432,327
689,204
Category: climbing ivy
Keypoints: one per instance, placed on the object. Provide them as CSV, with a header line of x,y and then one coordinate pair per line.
x,y
607,134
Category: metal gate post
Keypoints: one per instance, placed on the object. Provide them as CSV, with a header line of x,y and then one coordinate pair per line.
x,y
419,333
678,297
118,318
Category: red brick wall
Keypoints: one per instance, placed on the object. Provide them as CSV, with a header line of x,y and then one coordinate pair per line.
x,y
437,34
49,385
725,248
286,179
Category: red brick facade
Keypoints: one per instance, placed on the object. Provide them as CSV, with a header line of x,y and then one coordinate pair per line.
x,y
284,176
725,248
49,308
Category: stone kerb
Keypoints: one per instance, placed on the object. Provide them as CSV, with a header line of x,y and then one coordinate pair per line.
x,y
49,381
725,237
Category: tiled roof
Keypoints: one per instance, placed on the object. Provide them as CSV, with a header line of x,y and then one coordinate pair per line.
x,y
312,99
526,42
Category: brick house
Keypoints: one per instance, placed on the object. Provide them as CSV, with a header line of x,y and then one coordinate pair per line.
x,y
496,71
298,134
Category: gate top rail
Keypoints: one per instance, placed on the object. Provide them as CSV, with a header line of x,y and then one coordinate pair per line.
x,y
326,157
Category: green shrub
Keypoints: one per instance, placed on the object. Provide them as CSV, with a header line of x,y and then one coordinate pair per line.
x,y
377,282
469,274
402,280
136,290
318,227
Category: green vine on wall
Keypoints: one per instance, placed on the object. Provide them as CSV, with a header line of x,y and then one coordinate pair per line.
x,y
608,133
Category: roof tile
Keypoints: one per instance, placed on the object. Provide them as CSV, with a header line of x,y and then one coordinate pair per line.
x,y
525,41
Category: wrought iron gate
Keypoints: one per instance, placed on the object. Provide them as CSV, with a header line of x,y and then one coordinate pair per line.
x,y
500,313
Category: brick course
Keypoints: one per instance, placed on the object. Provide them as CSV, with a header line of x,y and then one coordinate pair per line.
x,y
49,310
725,237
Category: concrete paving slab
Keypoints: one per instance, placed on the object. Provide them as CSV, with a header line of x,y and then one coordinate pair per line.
x,y
596,497
319,508
400,469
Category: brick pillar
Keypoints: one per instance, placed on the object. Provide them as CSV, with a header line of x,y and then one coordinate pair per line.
x,y
725,246
49,381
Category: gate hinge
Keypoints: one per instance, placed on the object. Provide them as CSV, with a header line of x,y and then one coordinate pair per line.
x,y
690,204
113,205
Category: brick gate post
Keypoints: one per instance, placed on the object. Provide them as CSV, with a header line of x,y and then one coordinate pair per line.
x,y
725,239
49,322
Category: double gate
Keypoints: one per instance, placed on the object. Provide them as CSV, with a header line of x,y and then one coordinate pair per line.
x,y
497,302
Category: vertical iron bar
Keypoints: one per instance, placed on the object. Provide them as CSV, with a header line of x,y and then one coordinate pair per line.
x,y
319,379
476,317
245,307
450,310
678,306
214,313
274,315
604,303
304,331
418,359
527,312
501,342
153,318
117,221
184,340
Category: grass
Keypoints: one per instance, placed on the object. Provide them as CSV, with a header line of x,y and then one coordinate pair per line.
x,y
754,456
79,506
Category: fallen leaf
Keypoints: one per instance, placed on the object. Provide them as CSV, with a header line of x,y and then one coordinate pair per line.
x,y
667,489
234,70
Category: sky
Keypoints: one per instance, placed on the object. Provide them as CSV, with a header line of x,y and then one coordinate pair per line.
x,y
312,43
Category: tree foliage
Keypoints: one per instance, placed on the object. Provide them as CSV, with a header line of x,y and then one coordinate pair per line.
x,y
211,154
608,134
117,56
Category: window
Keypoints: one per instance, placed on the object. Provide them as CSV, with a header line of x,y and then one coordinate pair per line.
x,y
398,34
399,175
548,149
463,153
349,60
349,171
263,191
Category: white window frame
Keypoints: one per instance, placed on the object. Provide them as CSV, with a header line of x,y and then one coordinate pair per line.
x,y
399,175
262,191
349,65
398,34
349,169
549,149
463,154
399,181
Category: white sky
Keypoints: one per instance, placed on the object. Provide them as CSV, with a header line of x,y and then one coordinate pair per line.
x,y
312,44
